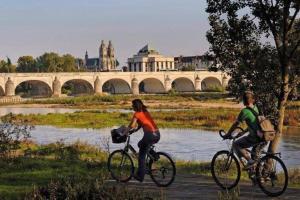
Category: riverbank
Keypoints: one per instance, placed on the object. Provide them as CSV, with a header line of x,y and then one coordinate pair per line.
x,y
65,172
203,118
124,101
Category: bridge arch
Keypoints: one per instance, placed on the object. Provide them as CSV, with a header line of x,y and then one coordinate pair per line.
x,y
183,84
116,86
211,84
76,87
151,85
33,88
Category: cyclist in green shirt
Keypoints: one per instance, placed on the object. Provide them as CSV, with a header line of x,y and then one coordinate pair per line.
x,y
254,138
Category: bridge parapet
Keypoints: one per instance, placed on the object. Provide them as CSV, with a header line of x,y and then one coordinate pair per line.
x,y
117,82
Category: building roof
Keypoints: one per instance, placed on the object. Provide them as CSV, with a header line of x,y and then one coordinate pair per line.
x,y
92,62
147,50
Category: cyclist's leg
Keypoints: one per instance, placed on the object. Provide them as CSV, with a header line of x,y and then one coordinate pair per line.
x,y
143,146
144,143
241,145
256,150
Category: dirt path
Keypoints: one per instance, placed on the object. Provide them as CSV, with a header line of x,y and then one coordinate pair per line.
x,y
201,187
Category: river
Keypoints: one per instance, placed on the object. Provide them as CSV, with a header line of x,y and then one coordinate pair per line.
x,y
182,144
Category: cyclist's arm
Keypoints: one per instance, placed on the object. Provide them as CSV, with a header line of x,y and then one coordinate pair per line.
x,y
239,120
131,125
233,127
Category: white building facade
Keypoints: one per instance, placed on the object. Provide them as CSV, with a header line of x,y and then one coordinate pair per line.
x,y
149,60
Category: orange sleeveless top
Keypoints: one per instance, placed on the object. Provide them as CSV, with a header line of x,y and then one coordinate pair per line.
x,y
146,121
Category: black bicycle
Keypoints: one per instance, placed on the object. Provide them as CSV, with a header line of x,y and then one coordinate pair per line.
x,y
268,171
159,165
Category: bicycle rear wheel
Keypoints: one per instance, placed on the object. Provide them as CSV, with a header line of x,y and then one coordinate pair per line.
x,y
272,175
225,170
120,166
163,170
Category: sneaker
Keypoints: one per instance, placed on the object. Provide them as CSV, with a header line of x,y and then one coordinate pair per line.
x,y
138,178
264,179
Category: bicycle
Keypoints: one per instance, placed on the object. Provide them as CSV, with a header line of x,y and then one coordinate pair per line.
x,y
268,171
159,165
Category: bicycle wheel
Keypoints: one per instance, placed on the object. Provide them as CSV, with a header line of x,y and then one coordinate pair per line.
x,y
120,166
272,175
162,171
225,170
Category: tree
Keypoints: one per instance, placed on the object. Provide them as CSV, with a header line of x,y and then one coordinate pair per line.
x,y
49,62
26,64
238,34
52,62
68,63
7,66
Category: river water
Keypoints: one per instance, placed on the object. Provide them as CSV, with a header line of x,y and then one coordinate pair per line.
x,y
182,144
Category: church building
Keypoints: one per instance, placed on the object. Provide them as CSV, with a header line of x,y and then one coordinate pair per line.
x,y
106,60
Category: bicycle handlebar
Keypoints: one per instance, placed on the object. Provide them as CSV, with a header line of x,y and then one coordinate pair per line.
x,y
132,131
222,134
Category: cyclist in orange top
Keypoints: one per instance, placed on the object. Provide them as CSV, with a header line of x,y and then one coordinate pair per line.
x,y
143,119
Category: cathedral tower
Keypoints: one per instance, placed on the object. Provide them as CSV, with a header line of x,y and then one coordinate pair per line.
x,y
111,56
103,57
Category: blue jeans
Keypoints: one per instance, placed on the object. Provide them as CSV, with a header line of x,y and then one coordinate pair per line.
x,y
148,139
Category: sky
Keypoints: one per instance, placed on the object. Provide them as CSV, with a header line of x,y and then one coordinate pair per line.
x,y
32,27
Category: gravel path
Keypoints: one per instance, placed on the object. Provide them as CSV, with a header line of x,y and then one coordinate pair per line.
x,y
201,187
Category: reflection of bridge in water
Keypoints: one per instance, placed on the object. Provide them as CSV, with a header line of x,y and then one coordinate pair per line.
x,y
52,84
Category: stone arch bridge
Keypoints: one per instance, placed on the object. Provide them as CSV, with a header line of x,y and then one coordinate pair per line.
x,y
113,82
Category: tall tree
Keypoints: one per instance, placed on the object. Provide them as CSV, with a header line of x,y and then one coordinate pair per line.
x,y
239,35
68,63
49,62
26,64
7,66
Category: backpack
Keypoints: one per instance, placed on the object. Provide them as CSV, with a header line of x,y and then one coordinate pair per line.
x,y
265,125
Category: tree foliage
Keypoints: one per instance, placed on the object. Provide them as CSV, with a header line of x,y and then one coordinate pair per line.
x,y
257,43
12,133
7,66
48,62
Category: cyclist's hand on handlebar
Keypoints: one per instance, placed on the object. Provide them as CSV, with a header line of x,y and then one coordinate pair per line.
x,y
224,135
227,136
130,131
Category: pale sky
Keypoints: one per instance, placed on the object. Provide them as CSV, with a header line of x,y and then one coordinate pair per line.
x,y
32,27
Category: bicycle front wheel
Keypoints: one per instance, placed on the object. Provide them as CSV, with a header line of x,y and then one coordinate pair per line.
x,y
225,170
272,175
162,170
120,166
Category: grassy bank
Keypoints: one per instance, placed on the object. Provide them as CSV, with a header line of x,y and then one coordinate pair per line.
x,y
78,169
124,101
205,118
66,171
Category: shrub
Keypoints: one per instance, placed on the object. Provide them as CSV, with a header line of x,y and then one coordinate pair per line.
x,y
84,188
215,88
12,132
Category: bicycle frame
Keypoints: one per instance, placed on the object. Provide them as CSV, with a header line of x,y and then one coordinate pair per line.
x,y
128,147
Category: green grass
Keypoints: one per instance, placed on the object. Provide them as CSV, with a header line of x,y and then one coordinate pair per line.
x,y
211,119
56,163
48,164
205,118
96,100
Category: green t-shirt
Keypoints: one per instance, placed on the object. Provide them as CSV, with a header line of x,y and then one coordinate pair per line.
x,y
250,119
